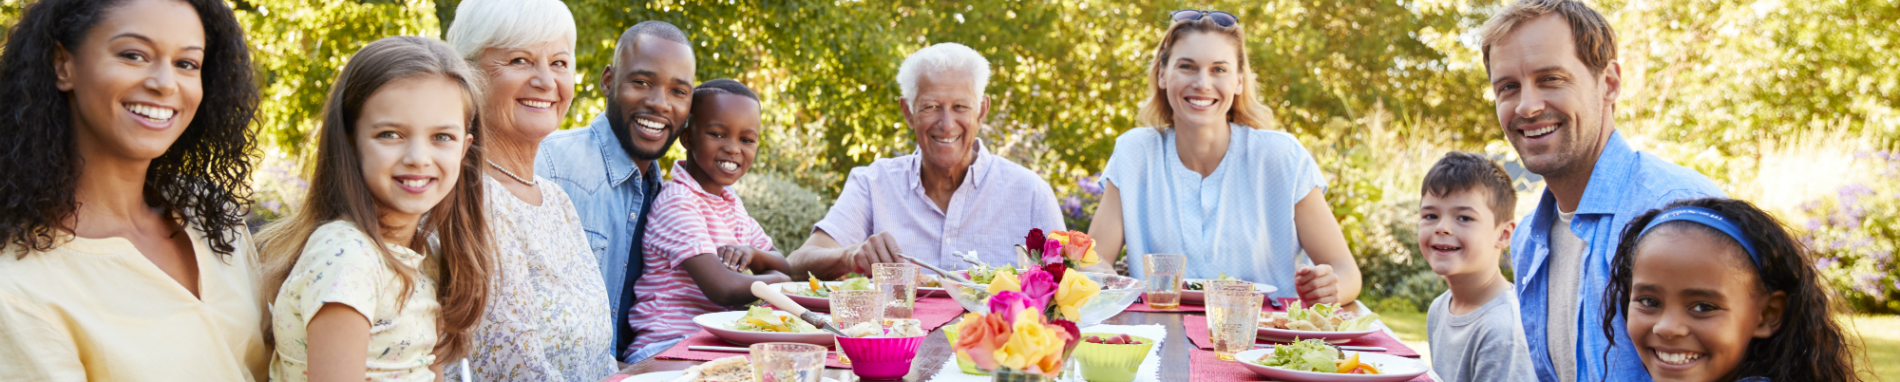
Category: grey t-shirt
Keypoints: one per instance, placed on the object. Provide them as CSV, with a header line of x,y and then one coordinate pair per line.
x,y
1485,345
1566,271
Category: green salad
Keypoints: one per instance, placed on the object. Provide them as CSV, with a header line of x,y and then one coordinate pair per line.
x,y
761,319
1319,318
984,274
821,290
1307,355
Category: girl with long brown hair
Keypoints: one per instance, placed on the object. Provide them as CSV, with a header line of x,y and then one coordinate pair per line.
x,y
384,267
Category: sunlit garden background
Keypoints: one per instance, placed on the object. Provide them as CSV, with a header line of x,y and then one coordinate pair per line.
x,y
1790,104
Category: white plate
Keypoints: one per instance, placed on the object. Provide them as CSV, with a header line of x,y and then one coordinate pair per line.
x,y
669,376
824,304
1286,335
1197,297
720,325
1395,368
657,376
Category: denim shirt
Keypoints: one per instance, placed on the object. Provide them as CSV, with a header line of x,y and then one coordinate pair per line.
x,y
1625,183
595,171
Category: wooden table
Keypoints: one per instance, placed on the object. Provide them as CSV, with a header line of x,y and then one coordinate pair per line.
x,y
935,351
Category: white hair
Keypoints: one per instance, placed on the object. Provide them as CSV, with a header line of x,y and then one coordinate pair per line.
x,y
939,59
509,24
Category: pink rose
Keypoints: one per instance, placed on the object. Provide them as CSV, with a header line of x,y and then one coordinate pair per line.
x,y
1006,304
1052,252
1039,287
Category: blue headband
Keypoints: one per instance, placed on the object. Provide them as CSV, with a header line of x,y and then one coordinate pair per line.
x,y
1708,218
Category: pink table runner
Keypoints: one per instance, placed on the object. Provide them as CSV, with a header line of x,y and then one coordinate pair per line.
x,y
1196,327
1205,366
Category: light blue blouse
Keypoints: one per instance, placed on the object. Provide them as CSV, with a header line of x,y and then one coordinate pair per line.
x,y
1238,220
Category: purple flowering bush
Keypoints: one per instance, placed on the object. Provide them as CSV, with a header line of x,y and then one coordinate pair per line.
x,y
1854,235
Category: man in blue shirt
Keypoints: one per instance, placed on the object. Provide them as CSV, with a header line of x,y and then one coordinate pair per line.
x,y
1552,67
608,169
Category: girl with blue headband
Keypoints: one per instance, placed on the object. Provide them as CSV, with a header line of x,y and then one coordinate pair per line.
x,y
1717,290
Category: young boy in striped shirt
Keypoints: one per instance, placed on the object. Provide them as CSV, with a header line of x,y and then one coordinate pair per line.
x,y
700,243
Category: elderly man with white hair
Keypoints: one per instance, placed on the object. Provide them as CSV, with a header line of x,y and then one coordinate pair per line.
x,y
548,317
951,195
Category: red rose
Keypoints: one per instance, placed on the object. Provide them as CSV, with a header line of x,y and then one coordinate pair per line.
x,y
1056,269
1034,241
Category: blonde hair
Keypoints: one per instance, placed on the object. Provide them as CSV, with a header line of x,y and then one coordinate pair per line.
x,y
1247,109
508,24
1595,41
456,228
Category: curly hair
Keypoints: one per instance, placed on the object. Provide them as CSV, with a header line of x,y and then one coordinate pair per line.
x,y
204,175
1810,344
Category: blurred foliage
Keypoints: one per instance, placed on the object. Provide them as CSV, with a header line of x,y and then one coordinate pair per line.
x,y
299,45
785,210
1854,235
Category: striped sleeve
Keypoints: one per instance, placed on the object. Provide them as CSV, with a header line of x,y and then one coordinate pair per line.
x,y
676,231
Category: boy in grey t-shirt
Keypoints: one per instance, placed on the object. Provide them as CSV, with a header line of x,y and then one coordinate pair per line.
x,y
1463,227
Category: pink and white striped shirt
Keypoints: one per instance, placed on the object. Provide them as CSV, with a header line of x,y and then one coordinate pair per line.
x,y
685,221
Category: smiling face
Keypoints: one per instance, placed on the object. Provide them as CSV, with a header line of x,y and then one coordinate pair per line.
x,y
135,81
1459,234
1553,110
723,140
529,89
1695,304
945,118
412,134
651,95
1202,79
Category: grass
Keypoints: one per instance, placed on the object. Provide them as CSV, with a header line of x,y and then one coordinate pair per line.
x,y
1879,336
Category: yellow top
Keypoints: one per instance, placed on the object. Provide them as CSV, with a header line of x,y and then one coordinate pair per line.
x,y
340,264
97,310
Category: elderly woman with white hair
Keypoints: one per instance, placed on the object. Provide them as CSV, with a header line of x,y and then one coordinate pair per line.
x,y
951,195
548,316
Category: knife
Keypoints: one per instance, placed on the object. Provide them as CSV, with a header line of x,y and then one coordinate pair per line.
x,y
727,349
772,295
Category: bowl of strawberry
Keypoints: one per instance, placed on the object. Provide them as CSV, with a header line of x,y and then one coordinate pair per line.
x,y
1111,357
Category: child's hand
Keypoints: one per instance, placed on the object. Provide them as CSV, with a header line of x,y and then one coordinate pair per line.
x,y
738,257
1315,285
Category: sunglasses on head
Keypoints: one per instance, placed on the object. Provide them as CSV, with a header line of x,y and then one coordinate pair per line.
x,y
1222,19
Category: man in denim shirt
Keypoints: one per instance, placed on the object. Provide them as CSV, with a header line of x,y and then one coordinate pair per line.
x,y
608,169
1552,67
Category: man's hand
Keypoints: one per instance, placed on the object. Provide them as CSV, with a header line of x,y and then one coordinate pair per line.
x,y
1316,284
879,248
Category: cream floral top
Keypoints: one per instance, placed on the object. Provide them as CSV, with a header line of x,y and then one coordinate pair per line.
x,y
547,317
341,265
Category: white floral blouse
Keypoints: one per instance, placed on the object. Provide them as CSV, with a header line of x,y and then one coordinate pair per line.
x,y
341,265
548,317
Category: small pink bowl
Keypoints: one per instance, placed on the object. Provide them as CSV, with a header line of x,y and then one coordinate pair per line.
x,y
880,358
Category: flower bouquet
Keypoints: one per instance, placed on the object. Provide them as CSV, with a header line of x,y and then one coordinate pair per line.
x,y
1015,341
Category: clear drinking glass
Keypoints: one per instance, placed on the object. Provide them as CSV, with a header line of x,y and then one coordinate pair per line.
x,y
1227,285
852,307
1232,320
898,283
1163,273
787,362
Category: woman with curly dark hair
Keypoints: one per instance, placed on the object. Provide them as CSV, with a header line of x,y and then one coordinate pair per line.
x,y
121,202
1717,290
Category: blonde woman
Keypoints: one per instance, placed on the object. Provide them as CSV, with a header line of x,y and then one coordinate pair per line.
x,y
548,317
1208,180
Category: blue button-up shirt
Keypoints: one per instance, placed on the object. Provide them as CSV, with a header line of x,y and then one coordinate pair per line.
x,y
595,171
1625,183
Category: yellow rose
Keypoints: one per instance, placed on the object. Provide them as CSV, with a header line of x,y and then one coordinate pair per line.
x,y
1076,291
1032,345
1005,281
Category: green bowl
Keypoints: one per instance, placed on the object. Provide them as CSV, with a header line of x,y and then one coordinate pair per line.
x,y
1111,363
